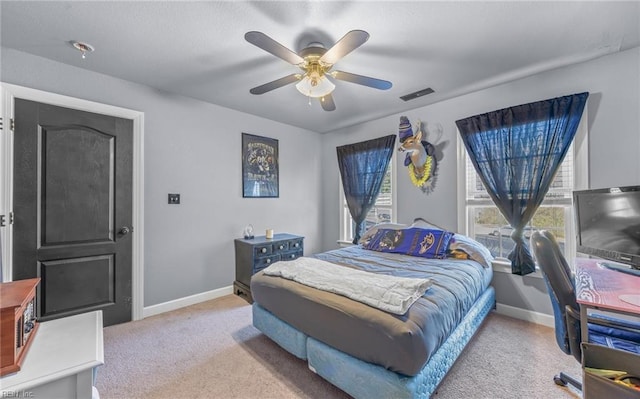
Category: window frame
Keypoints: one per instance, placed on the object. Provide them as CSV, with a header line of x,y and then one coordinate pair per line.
x,y
346,221
580,182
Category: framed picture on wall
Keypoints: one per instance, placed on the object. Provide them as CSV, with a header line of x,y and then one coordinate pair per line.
x,y
259,167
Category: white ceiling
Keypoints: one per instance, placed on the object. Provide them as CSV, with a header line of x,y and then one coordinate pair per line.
x,y
197,49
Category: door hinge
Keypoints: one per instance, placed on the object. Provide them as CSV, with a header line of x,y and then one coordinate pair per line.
x,y
12,125
3,219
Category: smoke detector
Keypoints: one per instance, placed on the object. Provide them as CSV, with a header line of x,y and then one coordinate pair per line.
x,y
84,48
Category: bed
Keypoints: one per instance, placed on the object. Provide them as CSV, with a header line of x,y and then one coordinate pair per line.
x,y
372,353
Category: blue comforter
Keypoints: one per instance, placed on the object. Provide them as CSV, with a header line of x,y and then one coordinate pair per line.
x,y
401,343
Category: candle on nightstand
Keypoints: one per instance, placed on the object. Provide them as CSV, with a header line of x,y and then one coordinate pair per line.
x,y
269,233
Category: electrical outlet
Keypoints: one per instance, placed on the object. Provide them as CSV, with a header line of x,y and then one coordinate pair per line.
x,y
174,199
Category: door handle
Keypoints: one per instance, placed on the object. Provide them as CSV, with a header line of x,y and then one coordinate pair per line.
x,y
125,230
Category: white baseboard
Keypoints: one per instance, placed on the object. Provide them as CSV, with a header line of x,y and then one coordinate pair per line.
x,y
511,311
527,315
153,310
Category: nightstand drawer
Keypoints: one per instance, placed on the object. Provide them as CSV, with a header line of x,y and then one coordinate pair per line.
x,y
291,255
262,262
264,249
295,244
280,246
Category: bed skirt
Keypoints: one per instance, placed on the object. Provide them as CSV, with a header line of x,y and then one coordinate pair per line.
x,y
365,380
282,333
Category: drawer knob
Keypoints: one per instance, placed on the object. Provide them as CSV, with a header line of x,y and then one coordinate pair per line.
x,y
281,246
263,250
296,245
268,260
292,256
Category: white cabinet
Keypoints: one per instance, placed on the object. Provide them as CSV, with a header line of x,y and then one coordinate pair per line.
x,y
60,361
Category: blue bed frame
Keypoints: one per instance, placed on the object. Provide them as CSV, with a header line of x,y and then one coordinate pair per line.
x,y
365,380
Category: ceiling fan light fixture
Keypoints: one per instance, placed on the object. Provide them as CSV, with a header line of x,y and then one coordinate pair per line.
x,y
315,85
316,63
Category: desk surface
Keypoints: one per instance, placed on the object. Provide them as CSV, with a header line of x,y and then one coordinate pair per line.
x,y
597,286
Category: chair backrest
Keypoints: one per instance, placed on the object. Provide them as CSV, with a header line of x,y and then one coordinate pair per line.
x,y
560,284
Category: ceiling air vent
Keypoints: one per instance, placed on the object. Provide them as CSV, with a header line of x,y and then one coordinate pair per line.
x,y
417,94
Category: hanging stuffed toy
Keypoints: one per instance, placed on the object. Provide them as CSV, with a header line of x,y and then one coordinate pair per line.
x,y
420,157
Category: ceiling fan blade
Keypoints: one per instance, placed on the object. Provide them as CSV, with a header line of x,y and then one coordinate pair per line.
x,y
275,84
269,45
362,80
349,42
327,103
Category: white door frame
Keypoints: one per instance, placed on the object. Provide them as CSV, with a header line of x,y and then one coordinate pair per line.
x,y
8,93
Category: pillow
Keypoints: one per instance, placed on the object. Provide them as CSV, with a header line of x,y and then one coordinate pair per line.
x,y
426,243
371,231
424,224
471,247
457,254
417,222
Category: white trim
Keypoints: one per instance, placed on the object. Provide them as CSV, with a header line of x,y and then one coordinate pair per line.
x,y
186,301
526,315
137,276
394,186
502,266
9,93
580,181
581,152
6,176
462,181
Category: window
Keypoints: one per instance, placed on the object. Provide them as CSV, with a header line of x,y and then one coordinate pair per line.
x,y
382,212
484,222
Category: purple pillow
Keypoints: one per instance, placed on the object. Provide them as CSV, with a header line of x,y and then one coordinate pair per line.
x,y
427,243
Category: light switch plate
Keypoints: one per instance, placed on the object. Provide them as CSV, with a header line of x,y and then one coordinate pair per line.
x,y
174,199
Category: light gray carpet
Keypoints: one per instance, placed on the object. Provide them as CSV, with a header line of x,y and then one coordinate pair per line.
x,y
211,350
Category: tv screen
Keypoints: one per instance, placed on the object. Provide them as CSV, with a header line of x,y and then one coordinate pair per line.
x,y
608,223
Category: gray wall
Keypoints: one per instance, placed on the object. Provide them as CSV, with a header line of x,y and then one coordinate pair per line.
x,y
614,146
193,148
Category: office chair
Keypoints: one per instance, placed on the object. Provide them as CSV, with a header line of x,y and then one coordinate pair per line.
x,y
603,330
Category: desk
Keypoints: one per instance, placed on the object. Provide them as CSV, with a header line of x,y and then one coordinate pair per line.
x,y
60,361
606,290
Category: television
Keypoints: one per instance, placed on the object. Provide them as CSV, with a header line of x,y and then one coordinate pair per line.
x,y
608,223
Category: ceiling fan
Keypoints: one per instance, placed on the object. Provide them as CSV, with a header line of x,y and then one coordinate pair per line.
x,y
316,63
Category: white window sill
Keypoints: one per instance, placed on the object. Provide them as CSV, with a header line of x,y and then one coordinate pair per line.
x,y
504,266
343,243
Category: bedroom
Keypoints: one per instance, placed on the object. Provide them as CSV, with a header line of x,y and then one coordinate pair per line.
x,y
192,147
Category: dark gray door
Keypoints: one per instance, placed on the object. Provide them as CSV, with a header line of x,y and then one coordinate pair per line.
x,y
72,203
